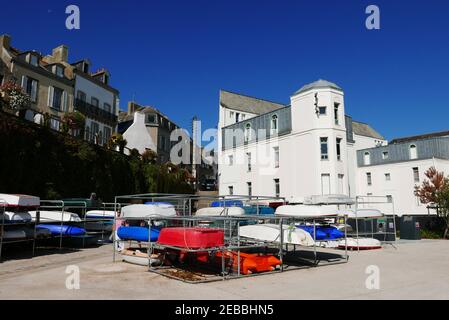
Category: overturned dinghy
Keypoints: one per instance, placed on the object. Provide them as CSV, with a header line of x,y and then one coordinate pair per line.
x,y
19,200
14,217
148,210
307,211
138,257
100,215
271,233
220,211
360,244
55,216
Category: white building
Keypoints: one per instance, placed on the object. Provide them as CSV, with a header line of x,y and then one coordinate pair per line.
x,y
306,148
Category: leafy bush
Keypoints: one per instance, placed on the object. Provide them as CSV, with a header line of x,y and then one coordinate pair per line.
x,y
38,161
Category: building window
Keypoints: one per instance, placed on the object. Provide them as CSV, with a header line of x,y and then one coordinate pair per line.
x,y
338,149
322,110
277,188
237,117
231,114
324,148
413,152
59,71
416,174
107,107
54,124
369,179
250,188
80,95
341,186
94,101
387,177
247,132
243,116
336,106
29,85
231,160
385,155
95,132
151,118
231,190
107,134
34,60
248,160
325,183
274,124
57,98
389,198
276,157
366,159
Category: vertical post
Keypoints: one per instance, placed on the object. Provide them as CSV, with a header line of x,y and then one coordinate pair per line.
x,y
281,244
238,244
357,223
314,242
150,245
2,229
114,231
62,225
346,237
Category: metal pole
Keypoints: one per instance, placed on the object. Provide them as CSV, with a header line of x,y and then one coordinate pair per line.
x,y
281,254
314,242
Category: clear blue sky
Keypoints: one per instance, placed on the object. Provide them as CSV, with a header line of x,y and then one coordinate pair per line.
x,y
176,55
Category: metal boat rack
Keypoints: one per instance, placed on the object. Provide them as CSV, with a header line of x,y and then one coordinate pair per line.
x,y
291,258
38,242
389,214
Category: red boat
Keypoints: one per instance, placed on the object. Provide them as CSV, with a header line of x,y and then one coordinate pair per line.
x,y
192,238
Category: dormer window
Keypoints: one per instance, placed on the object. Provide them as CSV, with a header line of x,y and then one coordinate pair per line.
x,y
274,124
59,71
247,132
413,152
366,159
151,118
33,60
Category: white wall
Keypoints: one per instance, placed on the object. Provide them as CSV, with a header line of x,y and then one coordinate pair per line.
x,y
91,89
137,135
401,185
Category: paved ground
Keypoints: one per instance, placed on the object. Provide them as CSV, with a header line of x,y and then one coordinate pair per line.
x,y
415,270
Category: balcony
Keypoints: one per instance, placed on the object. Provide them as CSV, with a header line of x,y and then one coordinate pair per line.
x,y
95,113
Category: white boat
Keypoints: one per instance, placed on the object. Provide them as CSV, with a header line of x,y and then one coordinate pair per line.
x,y
14,217
55,216
100,214
10,235
329,199
135,256
271,233
148,210
307,211
360,243
19,200
220,211
364,213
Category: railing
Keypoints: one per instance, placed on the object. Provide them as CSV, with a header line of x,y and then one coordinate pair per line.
x,y
95,112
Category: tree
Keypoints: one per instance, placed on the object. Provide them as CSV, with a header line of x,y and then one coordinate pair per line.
x,y
75,123
149,156
435,191
14,97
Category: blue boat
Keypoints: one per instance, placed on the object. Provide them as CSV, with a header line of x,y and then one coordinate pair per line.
x,y
263,210
323,233
57,229
137,233
158,203
227,203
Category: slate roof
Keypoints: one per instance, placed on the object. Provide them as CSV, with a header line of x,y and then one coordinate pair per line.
x,y
248,104
363,129
420,137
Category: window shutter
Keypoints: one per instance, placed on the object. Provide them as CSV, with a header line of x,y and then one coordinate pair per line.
x,y
50,96
24,83
34,90
64,101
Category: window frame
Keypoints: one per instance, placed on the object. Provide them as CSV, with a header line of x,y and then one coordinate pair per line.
x,y
324,141
369,179
274,124
277,187
338,148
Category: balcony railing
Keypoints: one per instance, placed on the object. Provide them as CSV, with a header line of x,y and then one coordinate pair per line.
x,y
95,112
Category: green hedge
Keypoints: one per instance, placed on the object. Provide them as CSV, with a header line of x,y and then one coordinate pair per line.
x,y
35,160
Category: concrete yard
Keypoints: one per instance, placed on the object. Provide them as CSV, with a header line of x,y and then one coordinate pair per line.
x,y
415,270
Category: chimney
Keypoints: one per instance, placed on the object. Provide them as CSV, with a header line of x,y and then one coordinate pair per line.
x,y
61,54
132,107
5,41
